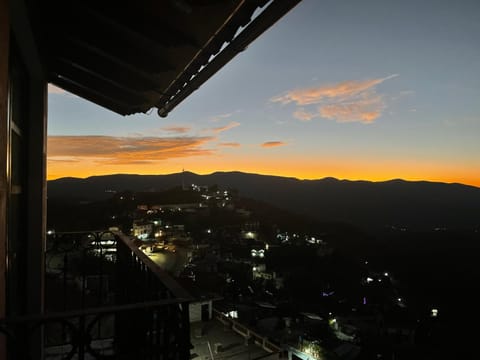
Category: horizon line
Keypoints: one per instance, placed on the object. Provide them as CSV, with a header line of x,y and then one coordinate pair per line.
x,y
273,175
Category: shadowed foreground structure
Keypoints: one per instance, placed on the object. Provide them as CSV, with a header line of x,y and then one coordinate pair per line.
x,y
128,59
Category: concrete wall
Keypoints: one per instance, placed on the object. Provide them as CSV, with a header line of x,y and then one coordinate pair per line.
x,y
195,310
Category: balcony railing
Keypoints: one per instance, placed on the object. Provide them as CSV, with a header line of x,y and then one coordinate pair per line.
x,y
105,299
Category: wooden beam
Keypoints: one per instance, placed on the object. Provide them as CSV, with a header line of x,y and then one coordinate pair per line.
x,y
156,34
99,62
93,96
91,80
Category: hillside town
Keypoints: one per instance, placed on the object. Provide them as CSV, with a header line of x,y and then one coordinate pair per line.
x,y
277,289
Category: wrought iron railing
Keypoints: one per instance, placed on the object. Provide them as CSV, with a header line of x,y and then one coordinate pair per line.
x,y
105,299
80,269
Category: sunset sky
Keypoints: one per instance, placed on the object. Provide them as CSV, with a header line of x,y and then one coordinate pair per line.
x,y
372,90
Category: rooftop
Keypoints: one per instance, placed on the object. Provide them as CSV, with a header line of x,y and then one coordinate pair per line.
x,y
233,345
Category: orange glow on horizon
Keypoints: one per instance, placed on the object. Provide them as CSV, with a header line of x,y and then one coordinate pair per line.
x,y
308,169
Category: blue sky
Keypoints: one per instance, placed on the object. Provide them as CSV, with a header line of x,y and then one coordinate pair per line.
x,y
352,89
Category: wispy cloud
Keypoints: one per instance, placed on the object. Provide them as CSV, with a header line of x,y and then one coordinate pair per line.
x,y
347,101
270,144
230,144
303,115
219,117
341,90
64,160
177,129
125,150
220,129
365,109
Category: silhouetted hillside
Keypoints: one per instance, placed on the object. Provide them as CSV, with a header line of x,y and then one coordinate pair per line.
x,y
400,203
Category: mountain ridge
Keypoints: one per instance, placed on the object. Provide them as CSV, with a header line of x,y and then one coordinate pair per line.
x,y
327,178
366,203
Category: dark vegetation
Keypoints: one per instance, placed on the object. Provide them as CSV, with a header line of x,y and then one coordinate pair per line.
x,y
426,235
372,205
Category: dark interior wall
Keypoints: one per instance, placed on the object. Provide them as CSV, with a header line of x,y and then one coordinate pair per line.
x,y
4,51
22,163
4,47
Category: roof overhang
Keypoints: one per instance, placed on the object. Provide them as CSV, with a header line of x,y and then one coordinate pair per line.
x,y
131,57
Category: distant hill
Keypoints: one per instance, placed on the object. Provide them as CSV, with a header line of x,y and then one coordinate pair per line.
x,y
418,204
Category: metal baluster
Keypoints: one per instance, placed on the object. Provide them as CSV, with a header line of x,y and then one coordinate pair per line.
x,y
84,280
